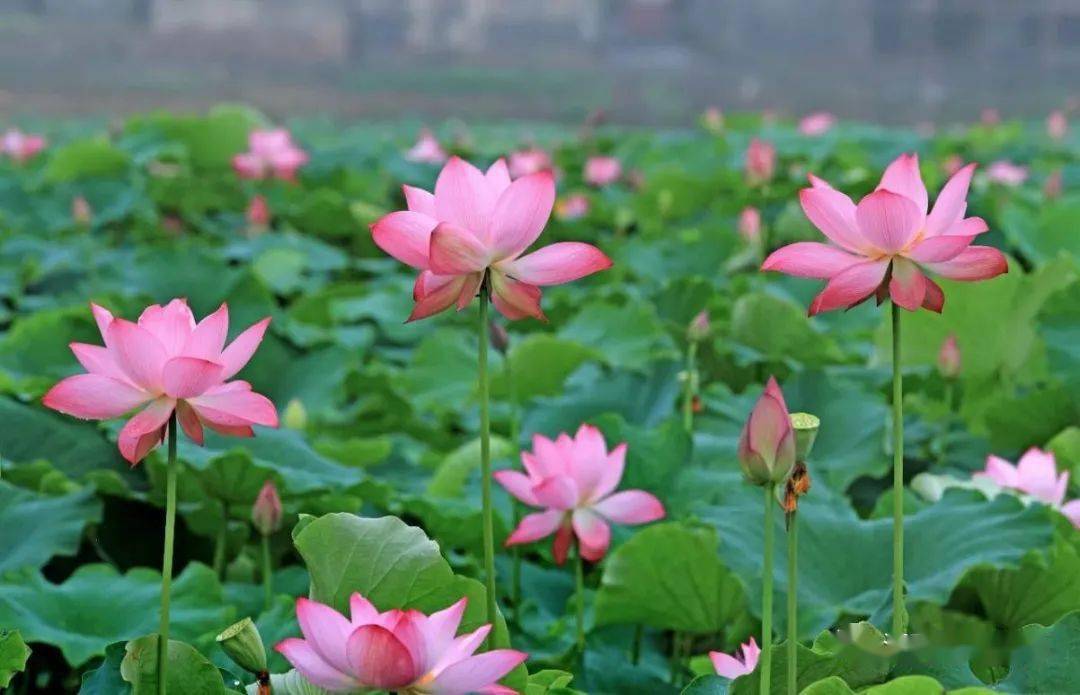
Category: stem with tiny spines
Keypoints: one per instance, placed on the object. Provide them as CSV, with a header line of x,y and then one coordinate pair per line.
x,y
899,617
485,459
167,560
767,591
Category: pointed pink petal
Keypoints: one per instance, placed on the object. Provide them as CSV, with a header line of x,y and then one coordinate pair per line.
x,y
98,360
463,197
361,611
1001,472
902,176
103,317
833,213
1038,476
593,534
455,251
975,263
409,629
248,166
438,295
630,507
313,667
935,297
766,427
751,651
888,220
728,666
907,287
547,459
969,226
235,408
379,659
515,300
951,203
535,526
809,259
144,431
850,287
419,200
498,177
208,338
326,631
590,460
240,350
461,648
405,235
1072,511
189,422
94,397
170,324
517,484
138,353
772,388
441,628
939,248
475,673
612,474
558,263
520,214
469,289
186,377
557,492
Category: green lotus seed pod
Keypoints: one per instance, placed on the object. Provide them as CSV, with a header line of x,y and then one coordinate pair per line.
x,y
242,642
806,429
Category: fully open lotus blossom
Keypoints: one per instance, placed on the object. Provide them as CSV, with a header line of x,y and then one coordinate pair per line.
x,y
1006,173
168,363
760,161
1036,475
817,123
271,153
767,441
882,245
427,149
480,223
529,161
574,479
21,146
1057,124
572,207
949,358
602,171
732,667
750,225
403,651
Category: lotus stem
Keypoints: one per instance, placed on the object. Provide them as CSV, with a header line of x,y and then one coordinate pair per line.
x,y
635,646
167,560
691,387
792,602
267,572
515,437
579,584
220,542
767,591
899,617
485,457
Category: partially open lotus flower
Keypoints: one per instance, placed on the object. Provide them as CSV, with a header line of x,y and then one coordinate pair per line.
x,y
881,246
168,363
574,479
767,442
602,171
271,153
427,149
760,161
478,224
732,667
1006,173
21,146
403,651
1036,475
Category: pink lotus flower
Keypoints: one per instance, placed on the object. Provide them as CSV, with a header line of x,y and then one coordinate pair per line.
x,y
699,327
882,245
1053,185
258,212
817,123
427,149
573,479
403,651
949,358
1057,124
767,442
270,153
750,225
81,212
266,512
1006,173
732,666
760,161
602,171
1036,475
572,207
168,361
478,224
21,146
529,161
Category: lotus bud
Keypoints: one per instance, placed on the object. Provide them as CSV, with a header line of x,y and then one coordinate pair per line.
x,y
1052,187
767,442
949,358
760,161
699,327
266,513
750,225
81,212
295,415
806,429
242,642
500,339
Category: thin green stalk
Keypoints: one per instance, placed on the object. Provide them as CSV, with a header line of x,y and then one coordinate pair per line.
x,y
167,560
899,618
579,584
267,572
635,647
950,395
220,542
767,592
691,387
515,437
676,647
485,456
792,602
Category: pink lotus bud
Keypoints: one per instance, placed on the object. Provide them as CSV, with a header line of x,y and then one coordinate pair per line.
x,y
572,207
767,442
750,225
601,171
427,149
81,212
1006,173
699,327
266,512
713,119
760,161
1053,186
817,123
258,212
949,358
1057,124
